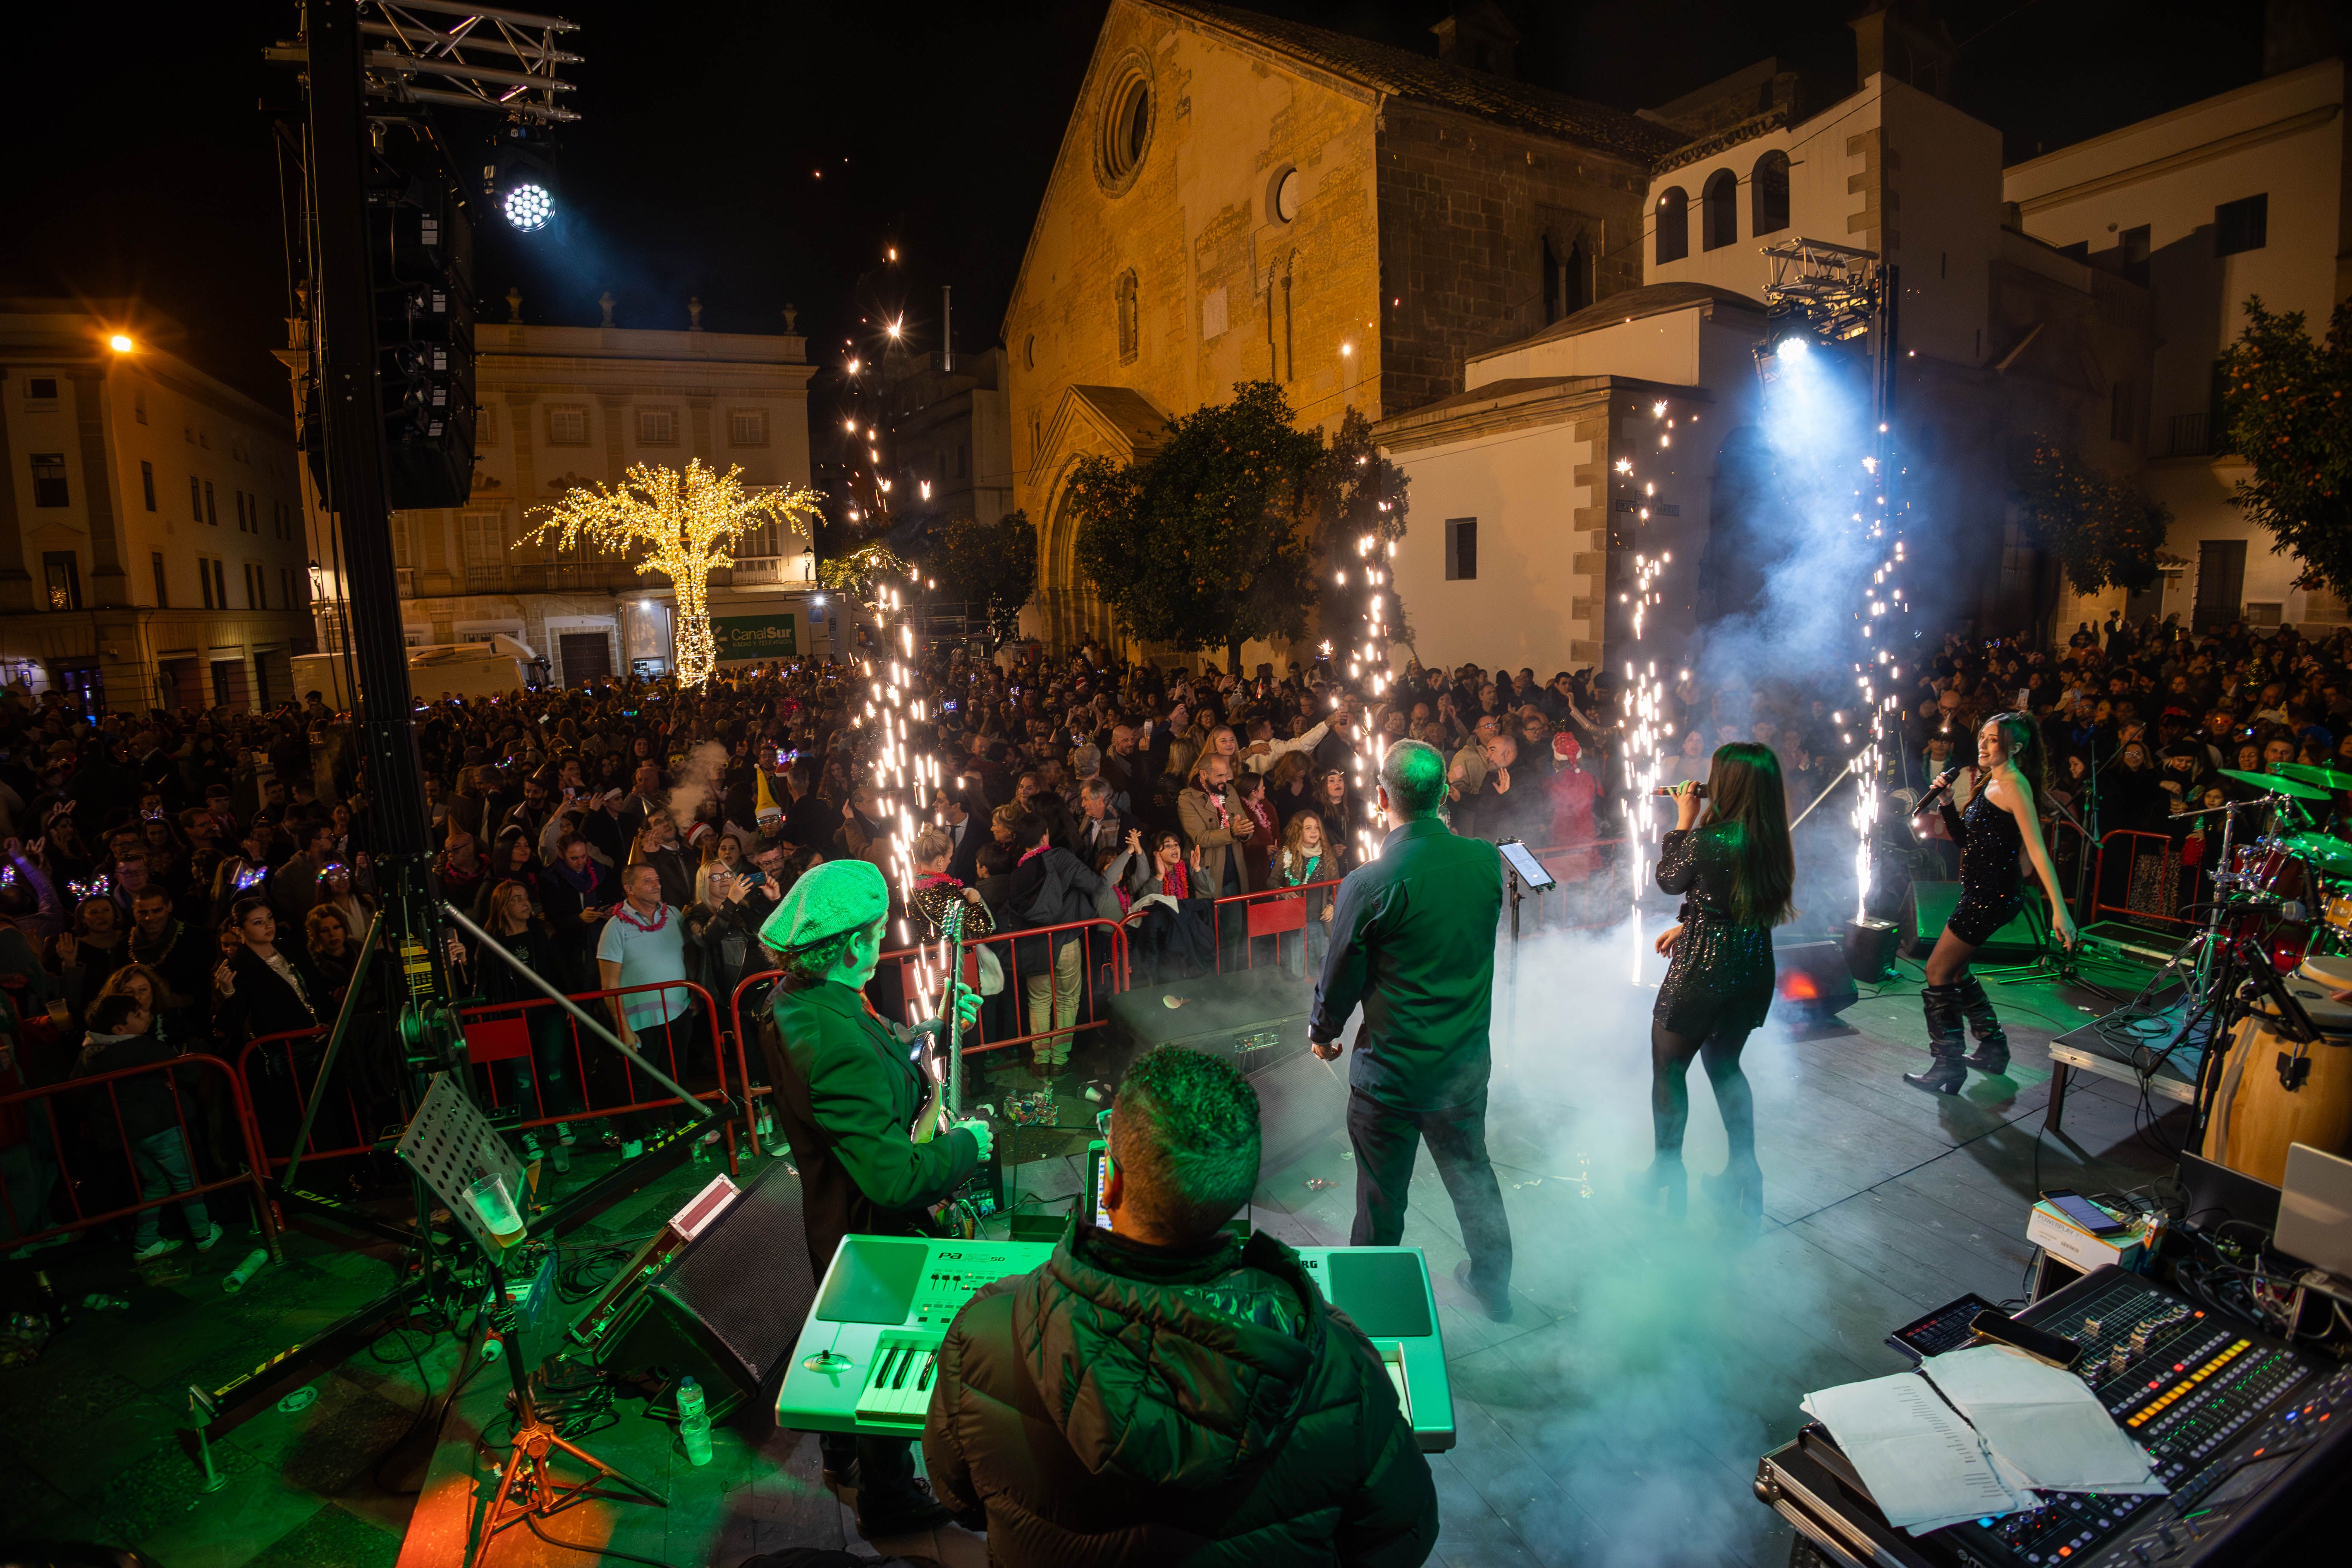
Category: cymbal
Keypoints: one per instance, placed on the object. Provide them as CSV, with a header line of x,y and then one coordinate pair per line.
x,y
2327,778
2277,784
2327,853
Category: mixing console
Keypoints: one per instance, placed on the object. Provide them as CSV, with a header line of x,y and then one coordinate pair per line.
x,y
868,1354
2225,1413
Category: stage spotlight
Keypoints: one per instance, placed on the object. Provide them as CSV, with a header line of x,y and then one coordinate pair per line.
x,y
1794,347
120,342
527,207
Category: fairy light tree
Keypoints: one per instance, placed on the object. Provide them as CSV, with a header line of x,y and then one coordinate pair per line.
x,y
686,524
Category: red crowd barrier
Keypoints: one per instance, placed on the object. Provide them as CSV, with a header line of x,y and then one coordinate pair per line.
x,y
495,1033
2153,854
62,1149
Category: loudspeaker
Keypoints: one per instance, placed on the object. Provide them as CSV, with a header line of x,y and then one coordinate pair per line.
x,y
1813,981
728,1306
1252,1017
1928,908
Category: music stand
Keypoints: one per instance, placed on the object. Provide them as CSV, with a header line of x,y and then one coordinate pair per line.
x,y
450,1145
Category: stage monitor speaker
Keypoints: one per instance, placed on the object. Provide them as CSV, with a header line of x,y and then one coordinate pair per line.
x,y
1813,980
729,1305
1928,908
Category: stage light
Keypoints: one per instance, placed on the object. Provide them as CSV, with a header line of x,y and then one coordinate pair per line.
x,y
527,207
1794,347
120,344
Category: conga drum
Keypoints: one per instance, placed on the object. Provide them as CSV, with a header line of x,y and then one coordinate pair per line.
x,y
2275,1091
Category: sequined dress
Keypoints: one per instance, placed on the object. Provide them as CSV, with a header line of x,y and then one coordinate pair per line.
x,y
1721,976
1990,886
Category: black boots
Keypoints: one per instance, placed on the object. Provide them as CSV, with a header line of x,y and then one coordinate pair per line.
x,y
1945,1038
1991,1055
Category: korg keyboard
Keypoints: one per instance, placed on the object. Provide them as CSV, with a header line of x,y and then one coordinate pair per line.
x,y
869,1353
2246,1433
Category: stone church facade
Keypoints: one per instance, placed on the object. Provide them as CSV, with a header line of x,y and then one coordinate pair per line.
x,y
1239,197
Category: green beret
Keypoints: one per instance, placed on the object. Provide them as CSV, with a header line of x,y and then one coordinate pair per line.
x,y
838,896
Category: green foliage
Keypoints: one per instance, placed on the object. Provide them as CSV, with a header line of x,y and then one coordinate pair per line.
x,y
2104,532
1360,495
856,572
1205,544
992,567
2283,401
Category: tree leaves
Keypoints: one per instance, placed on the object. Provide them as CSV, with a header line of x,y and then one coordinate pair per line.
x,y
2104,532
2283,407
992,568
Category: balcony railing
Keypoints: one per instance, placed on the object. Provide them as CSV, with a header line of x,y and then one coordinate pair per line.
x,y
759,569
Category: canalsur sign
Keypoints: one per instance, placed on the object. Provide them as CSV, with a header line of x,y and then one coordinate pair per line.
x,y
741,637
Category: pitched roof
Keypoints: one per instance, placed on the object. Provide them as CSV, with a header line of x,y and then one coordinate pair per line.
x,y
1631,304
1426,79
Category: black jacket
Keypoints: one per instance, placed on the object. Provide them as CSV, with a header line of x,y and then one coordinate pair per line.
x,y
1048,889
263,1003
847,1095
1134,1404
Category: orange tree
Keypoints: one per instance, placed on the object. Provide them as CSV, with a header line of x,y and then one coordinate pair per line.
x,y
1207,542
2283,405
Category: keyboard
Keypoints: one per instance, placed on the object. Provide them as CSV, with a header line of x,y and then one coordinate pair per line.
x,y
868,1353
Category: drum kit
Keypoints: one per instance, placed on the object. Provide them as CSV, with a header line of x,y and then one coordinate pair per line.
x,y
2268,967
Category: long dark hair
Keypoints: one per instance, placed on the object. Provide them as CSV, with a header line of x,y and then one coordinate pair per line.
x,y
2023,736
1751,817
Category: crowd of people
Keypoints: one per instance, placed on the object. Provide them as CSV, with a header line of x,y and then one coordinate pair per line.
x,y
216,867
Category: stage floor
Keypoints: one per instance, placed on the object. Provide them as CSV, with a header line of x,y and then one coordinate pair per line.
x,y
1616,1421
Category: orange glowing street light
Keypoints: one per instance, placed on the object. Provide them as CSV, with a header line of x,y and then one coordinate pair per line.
x,y
120,344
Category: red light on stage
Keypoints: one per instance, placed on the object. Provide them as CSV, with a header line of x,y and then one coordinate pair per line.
x,y
1798,986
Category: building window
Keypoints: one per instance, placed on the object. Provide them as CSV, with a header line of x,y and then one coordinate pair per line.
x,y
567,426
1029,351
2241,224
139,403
1564,278
220,585
480,537
656,427
212,511
964,459
1124,135
62,569
1461,549
1768,195
236,498
204,582
1719,210
486,425
2132,248
197,497
747,428
256,588
147,483
1129,329
1283,193
49,480
1673,219
41,389
2122,409
163,586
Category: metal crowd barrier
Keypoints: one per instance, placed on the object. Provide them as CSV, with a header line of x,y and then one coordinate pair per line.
x,y
495,1033
63,1150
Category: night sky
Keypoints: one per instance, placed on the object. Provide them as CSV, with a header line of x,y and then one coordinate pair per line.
x,y
143,162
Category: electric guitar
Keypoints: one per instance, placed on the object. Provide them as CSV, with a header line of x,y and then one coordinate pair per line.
x,y
944,1064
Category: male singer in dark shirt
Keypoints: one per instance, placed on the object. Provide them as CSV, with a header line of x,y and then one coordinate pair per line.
x,y
1412,939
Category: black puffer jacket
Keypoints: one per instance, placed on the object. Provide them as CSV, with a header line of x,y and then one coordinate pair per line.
x,y
1131,1404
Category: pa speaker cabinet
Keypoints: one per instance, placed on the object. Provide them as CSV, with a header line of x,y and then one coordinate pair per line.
x,y
1811,979
1928,908
1252,1017
729,1308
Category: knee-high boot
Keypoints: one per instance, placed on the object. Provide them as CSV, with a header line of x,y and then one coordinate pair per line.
x,y
1991,1054
1947,1038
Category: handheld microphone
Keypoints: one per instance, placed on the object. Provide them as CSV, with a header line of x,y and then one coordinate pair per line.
x,y
1698,791
1937,791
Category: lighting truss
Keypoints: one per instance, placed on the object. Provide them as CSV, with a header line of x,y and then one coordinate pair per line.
x,y
467,57
1832,290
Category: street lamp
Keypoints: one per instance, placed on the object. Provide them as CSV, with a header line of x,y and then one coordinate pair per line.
x,y
120,344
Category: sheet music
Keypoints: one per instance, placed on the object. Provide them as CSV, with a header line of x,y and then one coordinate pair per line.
x,y
1924,1465
2042,1420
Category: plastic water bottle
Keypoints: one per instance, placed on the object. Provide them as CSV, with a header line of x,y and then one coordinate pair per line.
x,y
693,1422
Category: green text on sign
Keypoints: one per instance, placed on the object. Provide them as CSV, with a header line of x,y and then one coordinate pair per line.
x,y
755,637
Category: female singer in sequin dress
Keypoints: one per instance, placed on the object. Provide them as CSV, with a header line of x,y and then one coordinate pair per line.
x,y
1734,872
1998,824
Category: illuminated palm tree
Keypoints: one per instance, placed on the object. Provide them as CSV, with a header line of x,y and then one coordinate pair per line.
x,y
687,524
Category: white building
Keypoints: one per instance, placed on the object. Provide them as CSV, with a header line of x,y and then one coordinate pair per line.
x,y
2240,195
151,532
568,406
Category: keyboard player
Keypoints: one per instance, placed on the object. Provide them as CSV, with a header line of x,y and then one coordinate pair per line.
x,y
847,1093
1162,1392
